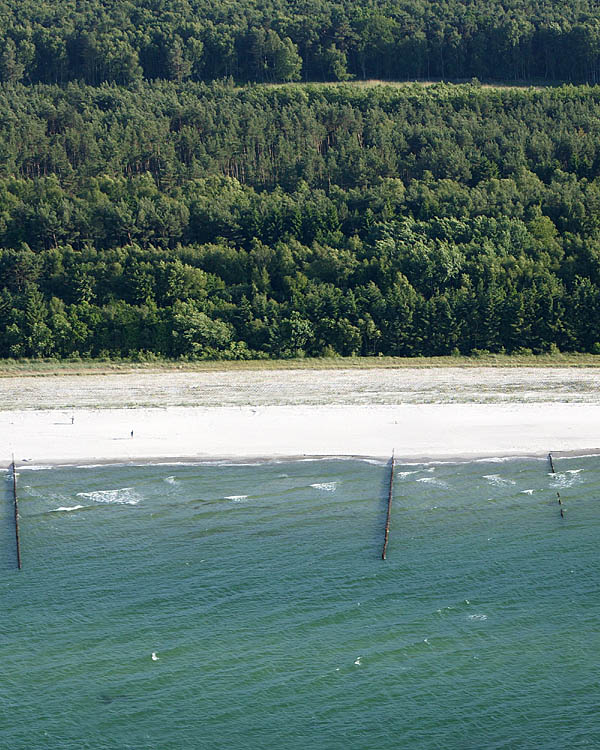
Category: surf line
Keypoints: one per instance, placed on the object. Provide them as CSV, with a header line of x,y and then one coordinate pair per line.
x,y
389,509
16,508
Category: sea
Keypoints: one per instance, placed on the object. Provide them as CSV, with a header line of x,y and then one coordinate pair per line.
x,y
246,605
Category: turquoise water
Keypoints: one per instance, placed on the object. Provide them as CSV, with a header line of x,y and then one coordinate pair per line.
x,y
274,622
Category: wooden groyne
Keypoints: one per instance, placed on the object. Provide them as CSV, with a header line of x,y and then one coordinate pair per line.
x,y
389,509
562,510
16,508
560,502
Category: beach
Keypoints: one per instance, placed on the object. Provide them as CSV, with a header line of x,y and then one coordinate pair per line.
x,y
420,414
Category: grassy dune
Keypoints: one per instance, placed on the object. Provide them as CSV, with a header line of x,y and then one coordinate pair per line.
x,y
35,368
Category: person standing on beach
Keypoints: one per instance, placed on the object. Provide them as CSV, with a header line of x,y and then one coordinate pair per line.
x,y
131,433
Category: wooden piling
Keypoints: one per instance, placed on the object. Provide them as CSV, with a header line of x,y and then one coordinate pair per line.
x,y
389,509
16,508
560,502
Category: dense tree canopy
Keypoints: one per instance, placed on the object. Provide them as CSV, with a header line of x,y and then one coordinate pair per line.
x,y
195,220
283,40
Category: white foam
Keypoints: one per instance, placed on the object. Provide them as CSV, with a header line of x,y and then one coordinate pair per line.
x,y
170,480
66,508
478,618
565,479
497,480
35,467
573,471
527,492
358,661
122,496
176,463
374,461
325,486
433,481
236,498
404,474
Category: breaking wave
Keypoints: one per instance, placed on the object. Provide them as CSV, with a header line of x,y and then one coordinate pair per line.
x,y
66,508
497,480
123,496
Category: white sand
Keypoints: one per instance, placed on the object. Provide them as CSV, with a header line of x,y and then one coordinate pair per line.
x,y
300,413
433,431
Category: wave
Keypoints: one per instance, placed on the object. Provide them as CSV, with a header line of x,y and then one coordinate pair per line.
x,y
66,508
171,480
497,459
433,481
325,486
565,478
123,496
33,467
404,474
497,480
527,492
97,466
236,498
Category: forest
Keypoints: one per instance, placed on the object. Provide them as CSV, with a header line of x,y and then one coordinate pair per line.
x,y
125,41
207,220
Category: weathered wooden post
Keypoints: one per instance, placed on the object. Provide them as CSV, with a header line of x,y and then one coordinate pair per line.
x,y
389,509
16,509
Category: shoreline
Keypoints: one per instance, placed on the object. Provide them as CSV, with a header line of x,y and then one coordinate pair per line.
x,y
413,432
279,459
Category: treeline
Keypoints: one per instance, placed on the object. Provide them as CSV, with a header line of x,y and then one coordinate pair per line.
x,y
207,221
280,40
408,288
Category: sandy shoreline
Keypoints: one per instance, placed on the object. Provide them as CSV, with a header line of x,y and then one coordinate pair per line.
x,y
414,432
445,414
